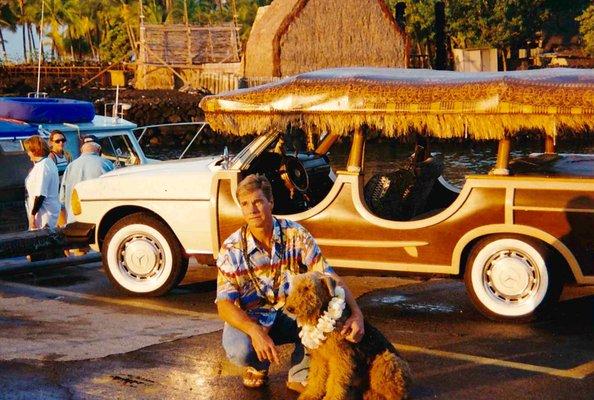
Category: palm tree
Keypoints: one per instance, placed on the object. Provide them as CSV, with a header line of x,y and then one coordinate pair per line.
x,y
59,14
7,20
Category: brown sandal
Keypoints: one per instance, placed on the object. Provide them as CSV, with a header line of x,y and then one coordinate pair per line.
x,y
254,379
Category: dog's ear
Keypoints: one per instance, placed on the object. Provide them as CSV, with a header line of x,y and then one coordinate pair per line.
x,y
330,283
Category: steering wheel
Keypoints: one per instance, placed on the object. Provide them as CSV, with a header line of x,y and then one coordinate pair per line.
x,y
293,174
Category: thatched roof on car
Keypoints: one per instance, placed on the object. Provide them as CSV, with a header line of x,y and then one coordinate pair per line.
x,y
442,103
294,36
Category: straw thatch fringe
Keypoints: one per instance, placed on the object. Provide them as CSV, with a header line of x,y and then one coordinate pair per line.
x,y
444,104
294,36
482,127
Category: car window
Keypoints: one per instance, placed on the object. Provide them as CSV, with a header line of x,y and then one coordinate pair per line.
x,y
11,146
119,150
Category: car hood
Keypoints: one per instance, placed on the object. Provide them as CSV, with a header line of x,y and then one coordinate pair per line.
x,y
178,179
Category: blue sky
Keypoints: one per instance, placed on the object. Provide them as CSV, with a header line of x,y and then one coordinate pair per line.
x,y
14,44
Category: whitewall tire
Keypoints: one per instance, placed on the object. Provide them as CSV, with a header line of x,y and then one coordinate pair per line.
x,y
142,256
511,278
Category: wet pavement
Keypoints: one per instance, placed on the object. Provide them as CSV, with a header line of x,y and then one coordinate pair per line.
x,y
66,334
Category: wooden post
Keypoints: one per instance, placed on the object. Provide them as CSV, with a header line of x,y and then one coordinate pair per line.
x,y
549,145
355,161
326,143
188,33
501,167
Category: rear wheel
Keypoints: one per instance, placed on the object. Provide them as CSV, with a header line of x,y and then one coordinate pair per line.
x,y
142,256
511,278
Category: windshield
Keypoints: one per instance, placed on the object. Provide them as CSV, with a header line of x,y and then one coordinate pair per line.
x,y
119,150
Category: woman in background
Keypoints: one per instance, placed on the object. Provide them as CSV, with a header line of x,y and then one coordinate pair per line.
x,y
42,183
57,142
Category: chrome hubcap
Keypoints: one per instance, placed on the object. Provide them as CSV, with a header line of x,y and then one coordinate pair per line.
x,y
510,276
141,257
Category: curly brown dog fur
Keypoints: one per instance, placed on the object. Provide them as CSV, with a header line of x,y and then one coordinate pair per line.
x,y
371,369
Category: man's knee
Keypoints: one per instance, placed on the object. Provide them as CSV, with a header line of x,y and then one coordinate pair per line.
x,y
240,355
238,346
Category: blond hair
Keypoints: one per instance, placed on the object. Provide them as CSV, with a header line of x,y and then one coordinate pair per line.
x,y
254,182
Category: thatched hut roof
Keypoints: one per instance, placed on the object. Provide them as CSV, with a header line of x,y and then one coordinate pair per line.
x,y
442,103
294,36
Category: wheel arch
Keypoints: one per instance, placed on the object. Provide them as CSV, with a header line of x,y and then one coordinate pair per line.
x,y
117,213
468,240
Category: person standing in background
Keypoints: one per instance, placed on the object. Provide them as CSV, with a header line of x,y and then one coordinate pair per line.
x,y
57,142
88,165
42,183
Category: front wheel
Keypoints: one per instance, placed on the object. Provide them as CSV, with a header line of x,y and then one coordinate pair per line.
x,y
511,278
142,256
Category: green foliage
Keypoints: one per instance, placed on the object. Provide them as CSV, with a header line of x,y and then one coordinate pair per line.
x,y
93,27
586,21
207,12
420,18
115,45
495,23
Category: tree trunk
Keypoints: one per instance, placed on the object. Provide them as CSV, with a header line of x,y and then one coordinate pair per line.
x,y
441,52
90,39
25,57
3,46
31,43
503,59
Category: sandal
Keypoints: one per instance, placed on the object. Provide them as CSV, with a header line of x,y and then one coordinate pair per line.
x,y
254,379
296,386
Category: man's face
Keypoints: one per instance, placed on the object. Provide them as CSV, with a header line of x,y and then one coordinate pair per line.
x,y
256,209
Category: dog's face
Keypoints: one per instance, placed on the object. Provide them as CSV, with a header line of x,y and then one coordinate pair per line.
x,y
309,295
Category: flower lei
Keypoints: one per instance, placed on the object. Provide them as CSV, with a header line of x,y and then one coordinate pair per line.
x,y
312,336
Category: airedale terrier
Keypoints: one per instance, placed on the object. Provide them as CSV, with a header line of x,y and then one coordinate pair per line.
x,y
370,369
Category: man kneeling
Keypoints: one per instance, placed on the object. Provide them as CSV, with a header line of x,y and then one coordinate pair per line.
x,y
254,269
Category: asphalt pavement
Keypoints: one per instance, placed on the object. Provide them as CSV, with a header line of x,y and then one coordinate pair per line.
x,y
67,334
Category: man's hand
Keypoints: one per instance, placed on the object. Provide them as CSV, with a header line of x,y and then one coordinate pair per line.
x,y
263,344
354,328
32,225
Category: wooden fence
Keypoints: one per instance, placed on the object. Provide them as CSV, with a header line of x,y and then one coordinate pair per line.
x,y
54,71
221,82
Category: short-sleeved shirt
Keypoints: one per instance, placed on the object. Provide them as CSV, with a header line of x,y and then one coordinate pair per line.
x,y
87,166
294,251
43,180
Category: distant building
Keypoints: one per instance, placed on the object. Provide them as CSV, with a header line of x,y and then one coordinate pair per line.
x,y
293,36
475,60
183,53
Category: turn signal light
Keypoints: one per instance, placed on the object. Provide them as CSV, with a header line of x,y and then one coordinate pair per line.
x,y
75,203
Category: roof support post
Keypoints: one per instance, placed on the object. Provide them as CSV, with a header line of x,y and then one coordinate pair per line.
x,y
326,143
501,167
549,145
355,161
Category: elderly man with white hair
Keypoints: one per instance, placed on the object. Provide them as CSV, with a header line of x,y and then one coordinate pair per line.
x,y
88,165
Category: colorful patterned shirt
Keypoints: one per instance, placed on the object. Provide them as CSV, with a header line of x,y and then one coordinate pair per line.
x,y
261,286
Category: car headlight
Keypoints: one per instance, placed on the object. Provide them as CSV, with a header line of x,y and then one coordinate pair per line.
x,y
75,203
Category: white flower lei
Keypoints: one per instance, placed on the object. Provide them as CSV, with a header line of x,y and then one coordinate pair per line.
x,y
312,336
